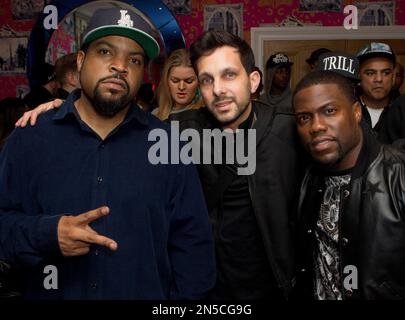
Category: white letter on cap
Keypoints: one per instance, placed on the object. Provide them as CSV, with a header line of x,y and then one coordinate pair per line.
x,y
350,21
51,20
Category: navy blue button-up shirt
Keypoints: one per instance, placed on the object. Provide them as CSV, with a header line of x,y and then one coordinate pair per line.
x,y
157,215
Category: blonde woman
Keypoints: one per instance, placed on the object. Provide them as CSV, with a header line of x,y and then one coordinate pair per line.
x,y
178,89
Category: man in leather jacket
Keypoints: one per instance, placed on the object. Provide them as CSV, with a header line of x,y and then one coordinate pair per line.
x,y
351,231
250,213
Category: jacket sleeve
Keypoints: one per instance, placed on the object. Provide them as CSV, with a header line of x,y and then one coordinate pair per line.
x,y
190,249
26,238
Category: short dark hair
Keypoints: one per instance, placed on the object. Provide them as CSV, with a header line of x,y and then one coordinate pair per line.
x,y
327,77
212,40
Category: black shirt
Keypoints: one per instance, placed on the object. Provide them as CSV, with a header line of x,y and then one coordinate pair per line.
x,y
243,270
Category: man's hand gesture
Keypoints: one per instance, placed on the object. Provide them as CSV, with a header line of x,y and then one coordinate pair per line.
x,y
75,235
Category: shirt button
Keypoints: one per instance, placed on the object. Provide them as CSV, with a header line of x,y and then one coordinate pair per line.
x,y
96,252
99,179
309,231
303,270
320,190
102,146
346,193
94,285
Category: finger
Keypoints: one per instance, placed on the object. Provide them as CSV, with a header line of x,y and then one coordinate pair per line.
x,y
33,118
18,123
57,103
92,215
98,239
25,118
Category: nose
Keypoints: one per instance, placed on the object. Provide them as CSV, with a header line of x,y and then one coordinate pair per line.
x,y
317,125
119,65
378,77
218,87
182,85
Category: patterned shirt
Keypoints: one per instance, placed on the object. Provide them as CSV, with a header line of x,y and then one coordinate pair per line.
x,y
326,254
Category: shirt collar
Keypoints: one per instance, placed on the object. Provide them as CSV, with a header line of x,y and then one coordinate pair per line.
x,y
134,112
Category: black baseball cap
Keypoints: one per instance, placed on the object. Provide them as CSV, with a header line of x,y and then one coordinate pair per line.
x,y
340,62
316,54
376,49
278,59
121,22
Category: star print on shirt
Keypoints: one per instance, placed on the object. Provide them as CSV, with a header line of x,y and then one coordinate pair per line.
x,y
372,189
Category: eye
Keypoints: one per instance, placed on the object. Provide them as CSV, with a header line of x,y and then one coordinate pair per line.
x,y
230,75
136,61
303,118
190,81
205,81
369,73
387,72
330,111
104,51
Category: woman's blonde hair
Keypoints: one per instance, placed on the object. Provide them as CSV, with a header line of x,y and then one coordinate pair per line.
x,y
180,57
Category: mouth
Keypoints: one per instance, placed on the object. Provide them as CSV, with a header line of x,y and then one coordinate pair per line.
x,y
115,84
222,105
181,94
322,144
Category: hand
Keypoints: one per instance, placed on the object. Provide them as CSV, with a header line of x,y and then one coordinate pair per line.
x,y
75,235
33,114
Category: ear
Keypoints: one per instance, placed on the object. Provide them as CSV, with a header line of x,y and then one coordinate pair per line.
x,y
254,79
80,60
357,111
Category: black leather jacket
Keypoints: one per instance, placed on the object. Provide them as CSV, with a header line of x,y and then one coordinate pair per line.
x,y
371,224
273,187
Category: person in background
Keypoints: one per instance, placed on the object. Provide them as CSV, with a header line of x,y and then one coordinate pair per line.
x,y
398,80
178,88
277,89
351,222
377,61
67,75
313,59
47,89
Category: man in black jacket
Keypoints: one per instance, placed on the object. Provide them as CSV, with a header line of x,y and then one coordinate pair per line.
x,y
351,230
250,213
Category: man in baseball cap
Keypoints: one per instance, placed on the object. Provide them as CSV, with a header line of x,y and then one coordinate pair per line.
x,y
109,220
119,22
277,89
377,62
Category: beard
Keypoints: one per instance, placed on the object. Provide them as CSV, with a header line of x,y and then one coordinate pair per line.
x,y
110,106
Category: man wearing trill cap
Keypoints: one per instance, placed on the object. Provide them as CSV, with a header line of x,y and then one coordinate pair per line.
x,y
89,217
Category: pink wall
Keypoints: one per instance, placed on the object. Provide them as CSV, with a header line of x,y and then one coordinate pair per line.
x,y
256,12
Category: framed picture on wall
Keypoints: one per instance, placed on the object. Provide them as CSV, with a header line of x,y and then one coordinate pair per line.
x,y
179,6
227,17
13,55
376,13
323,6
26,9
